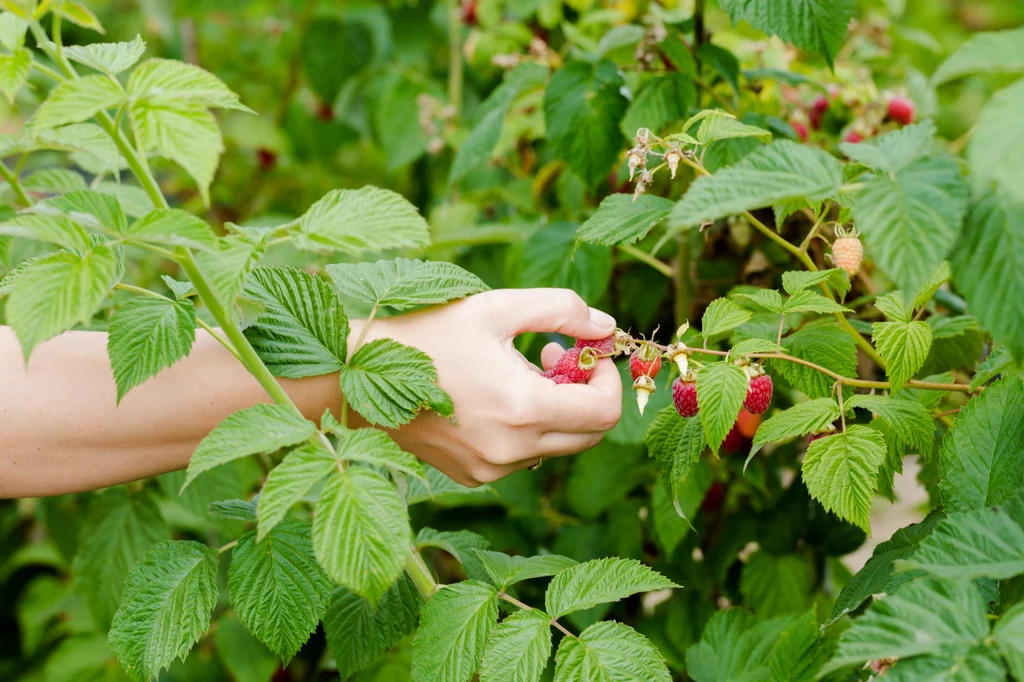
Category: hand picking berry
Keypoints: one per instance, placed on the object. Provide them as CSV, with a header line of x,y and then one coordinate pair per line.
x,y
576,364
847,251
684,395
759,391
605,346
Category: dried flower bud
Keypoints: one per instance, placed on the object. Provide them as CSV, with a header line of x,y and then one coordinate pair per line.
x,y
644,387
637,159
673,156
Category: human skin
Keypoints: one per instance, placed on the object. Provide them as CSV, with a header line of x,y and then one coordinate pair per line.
x,y
61,430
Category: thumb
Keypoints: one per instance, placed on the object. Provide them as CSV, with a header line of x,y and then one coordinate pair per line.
x,y
551,310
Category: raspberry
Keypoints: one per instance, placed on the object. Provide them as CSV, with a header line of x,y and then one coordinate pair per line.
x,y
605,346
645,361
800,129
848,252
817,112
684,395
561,379
576,365
713,498
759,394
853,137
734,439
901,110
747,423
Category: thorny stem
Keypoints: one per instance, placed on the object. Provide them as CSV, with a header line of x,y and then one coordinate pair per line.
x,y
527,607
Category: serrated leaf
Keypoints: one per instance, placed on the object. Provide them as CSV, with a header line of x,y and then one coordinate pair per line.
x,y
168,598
582,108
801,419
256,429
722,316
748,346
600,581
229,266
773,585
663,100
768,300
505,570
995,143
894,306
58,291
445,492
117,532
403,284
77,100
388,383
54,181
461,545
358,220
14,71
277,588
895,150
735,646
941,275
302,330
619,220
841,471
909,420
358,631
90,147
239,510
987,52
244,656
79,14
981,460
551,257
159,80
904,346
798,280
147,335
454,628
676,443
610,652
289,481
133,199
173,227
818,27
811,302
995,363
767,176
726,127
911,219
12,30
183,132
518,649
361,531
109,57
1008,635
721,390
92,209
58,230
377,448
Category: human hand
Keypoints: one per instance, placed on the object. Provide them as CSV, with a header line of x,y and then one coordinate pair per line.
x,y
508,415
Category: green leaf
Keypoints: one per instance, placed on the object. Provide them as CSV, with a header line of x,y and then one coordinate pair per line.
x,y
289,481
911,219
358,220
403,284
722,316
726,127
92,209
277,588
988,265
801,419
986,543
811,302
505,570
334,51
988,52
767,176
396,119
79,14
12,31
58,291
460,544
798,652
721,390
388,383
147,335
841,472
768,300
735,646
895,307
909,420
376,447
358,631
77,100
926,616
173,227
582,109
816,26
748,346
981,460
117,532
14,70
877,575
662,101
772,584
600,581
676,443
619,220
477,148
109,57
995,143
894,151
228,268
54,181
133,199
256,429
672,514
57,230
798,280
603,476
361,531
995,363
158,80
241,653
168,598
302,330
239,510
552,257
611,652
519,648
904,346
1009,637
454,628
941,275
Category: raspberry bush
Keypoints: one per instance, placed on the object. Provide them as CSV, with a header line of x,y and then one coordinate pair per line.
x,y
819,198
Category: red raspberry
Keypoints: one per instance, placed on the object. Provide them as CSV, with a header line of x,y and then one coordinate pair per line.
x,y
759,394
266,158
817,112
733,440
605,346
561,379
576,365
901,110
848,253
684,395
645,361
713,498
747,423
853,137
800,129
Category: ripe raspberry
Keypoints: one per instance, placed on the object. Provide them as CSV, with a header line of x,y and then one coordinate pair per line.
x,y
561,379
817,112
747,423
901,110
800,129
605,346
759,394
713,498
853,137
576,364
645,361
684,395
848,253
733,440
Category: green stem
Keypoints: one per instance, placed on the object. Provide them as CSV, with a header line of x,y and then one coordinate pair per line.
x,y
365,329
644,257
12,180
420,575
681,279
527,607
455,56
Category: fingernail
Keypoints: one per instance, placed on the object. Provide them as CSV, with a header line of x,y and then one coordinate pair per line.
x,y
601,319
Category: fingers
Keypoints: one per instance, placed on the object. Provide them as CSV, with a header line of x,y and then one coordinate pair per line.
x,y
581,408
547,310
550,354
562,444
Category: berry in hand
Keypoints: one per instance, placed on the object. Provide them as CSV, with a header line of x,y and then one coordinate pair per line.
x,y
684,395
576,365
848,252
759,394
605,346
645,361
901,110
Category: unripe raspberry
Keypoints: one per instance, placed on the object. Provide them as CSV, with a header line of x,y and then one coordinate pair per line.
x,y
848,253
684,395
645,361
759,394
901,110
576,364
605,346
644,387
